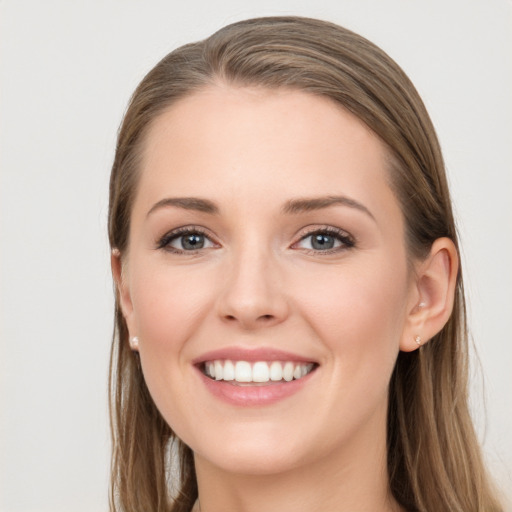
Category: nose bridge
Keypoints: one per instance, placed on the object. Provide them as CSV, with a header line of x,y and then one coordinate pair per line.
x,y
252,295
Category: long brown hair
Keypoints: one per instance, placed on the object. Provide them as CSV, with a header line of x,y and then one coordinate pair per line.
x,y
434,460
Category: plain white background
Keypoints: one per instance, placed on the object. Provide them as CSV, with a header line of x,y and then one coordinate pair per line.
x,y
67,71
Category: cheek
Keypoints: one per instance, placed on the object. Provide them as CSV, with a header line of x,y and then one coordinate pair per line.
x,y
166,301
358,318
168,306
359,314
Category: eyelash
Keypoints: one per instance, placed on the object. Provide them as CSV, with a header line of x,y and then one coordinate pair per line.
x,y
347,241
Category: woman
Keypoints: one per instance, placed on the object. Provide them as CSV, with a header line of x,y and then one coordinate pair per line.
x,y
289,312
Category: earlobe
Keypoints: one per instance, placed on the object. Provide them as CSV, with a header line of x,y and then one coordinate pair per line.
x,y
436,279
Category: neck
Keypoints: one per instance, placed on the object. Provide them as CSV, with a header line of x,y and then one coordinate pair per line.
x,y
350,478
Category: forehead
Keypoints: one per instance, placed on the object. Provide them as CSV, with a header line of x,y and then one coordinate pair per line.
x,y
248,142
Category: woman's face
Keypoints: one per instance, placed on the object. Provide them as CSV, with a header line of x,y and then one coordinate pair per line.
x,y
266,243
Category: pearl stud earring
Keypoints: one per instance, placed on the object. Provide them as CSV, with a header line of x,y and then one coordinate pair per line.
x,y
134,343
417,339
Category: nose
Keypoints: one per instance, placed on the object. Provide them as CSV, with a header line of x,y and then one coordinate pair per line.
x,y
253,295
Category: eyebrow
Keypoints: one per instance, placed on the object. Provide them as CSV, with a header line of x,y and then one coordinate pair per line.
x,y
295,206
187,203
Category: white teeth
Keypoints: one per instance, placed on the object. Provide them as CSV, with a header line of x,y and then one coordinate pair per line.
x,y
288,372
243,371
229,371
259,372
276,371
219,370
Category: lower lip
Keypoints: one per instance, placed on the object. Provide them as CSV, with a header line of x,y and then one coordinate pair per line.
x,y
253,396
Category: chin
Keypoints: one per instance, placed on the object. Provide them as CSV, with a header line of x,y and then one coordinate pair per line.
x,y
255,463
253,455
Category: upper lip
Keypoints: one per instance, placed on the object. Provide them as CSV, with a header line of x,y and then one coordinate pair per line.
x,y
252,355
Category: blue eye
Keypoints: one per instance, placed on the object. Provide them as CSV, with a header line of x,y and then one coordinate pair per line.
x,y
191,241
321,242
325,240
185,241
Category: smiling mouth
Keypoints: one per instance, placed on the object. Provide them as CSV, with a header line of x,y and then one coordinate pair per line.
x,y
256,373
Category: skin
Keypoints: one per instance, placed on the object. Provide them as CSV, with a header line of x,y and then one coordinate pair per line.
x,y
258,281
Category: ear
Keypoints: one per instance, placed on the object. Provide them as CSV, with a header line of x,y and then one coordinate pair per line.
x,y
122,289
433,295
